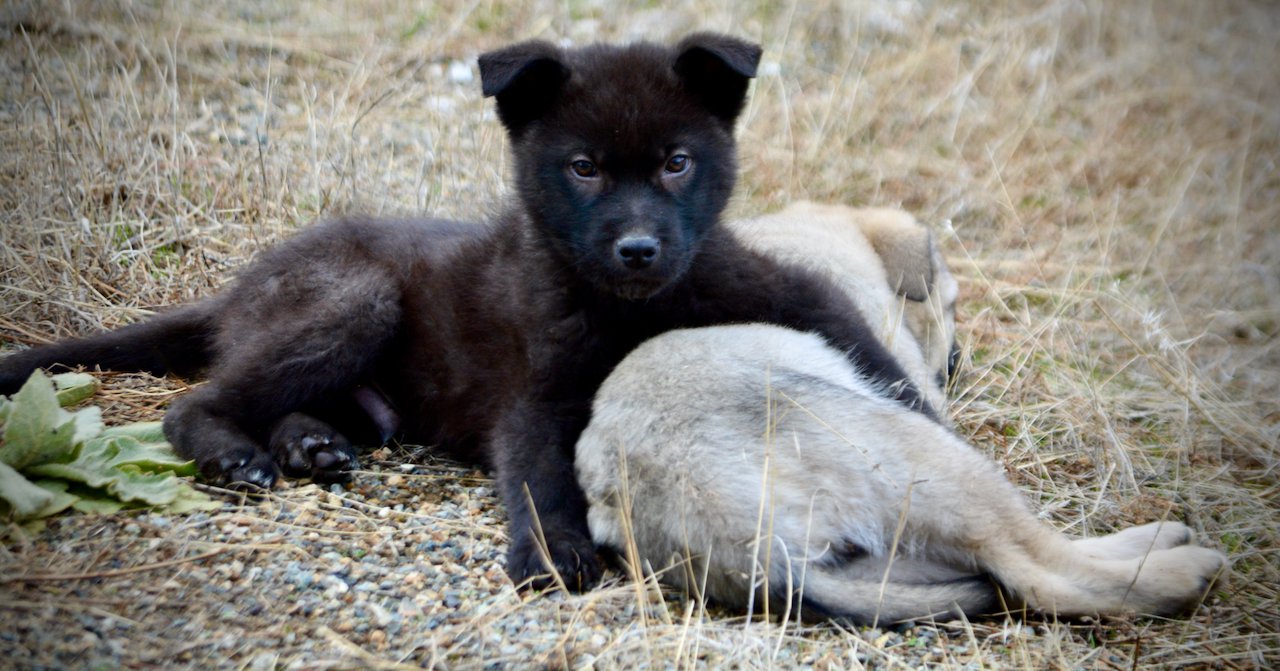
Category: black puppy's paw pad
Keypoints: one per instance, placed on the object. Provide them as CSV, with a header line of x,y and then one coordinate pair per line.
x,y
327,458
298,454
334,458
305,446
333,463
573,556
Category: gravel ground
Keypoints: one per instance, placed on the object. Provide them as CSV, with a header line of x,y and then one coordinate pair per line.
x,y
309,577
309,573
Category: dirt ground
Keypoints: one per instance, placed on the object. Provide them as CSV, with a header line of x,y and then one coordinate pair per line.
x,y
1102,175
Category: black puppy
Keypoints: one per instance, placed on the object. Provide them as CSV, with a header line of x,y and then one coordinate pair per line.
x,y
492,340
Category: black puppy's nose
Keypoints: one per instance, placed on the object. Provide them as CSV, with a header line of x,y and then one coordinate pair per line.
x,y
638,252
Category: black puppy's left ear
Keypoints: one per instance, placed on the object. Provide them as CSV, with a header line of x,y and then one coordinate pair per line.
x,y
525,79
717,69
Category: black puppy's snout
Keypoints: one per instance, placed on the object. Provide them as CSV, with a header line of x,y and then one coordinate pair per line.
x,y
638,252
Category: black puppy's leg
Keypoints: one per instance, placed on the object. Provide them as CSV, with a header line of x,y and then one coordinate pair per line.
x,y
266,381
222,450
245,424
533,452
299,338
245,427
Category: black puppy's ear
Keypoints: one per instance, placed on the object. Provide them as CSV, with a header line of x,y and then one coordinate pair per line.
x,y
717,68
525,79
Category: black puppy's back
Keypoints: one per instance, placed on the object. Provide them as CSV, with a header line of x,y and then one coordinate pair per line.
x,y
348,255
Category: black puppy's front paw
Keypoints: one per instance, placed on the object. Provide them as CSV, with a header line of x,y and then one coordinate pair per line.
x,y
248,467
572,554
305,446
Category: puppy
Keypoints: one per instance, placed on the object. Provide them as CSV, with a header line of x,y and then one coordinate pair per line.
x,y
862,252
752,464
492,340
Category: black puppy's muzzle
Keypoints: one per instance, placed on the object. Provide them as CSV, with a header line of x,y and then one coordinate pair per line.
x,y
637,252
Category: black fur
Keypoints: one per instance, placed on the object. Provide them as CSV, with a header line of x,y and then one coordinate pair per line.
x,y
492,340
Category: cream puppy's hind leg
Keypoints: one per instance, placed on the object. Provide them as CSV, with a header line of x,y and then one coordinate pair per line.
x,y
1136,541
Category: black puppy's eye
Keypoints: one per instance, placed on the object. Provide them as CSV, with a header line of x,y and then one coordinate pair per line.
x,y
678,164
584,168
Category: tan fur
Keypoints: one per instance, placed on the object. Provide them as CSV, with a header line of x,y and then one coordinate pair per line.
x,y
750,462
867,252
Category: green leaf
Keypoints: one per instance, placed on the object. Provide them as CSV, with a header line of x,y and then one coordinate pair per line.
x,y
143,432
98,505
62,499
114,465
88,423
81,464
35,432
22,500
23,497
157,489
38,431
190,500
186,469
127,485
74,387
151,457
143,443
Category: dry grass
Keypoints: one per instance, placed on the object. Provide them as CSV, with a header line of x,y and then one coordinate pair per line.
x,y
1106,175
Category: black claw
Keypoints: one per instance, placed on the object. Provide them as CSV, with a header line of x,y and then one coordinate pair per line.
x,y
572,555
240,468
256,475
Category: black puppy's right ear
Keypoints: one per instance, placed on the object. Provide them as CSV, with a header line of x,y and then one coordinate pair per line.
x,y
525,79
717,69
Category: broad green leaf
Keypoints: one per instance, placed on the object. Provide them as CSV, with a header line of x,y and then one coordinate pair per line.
x,y
62,499
143,443
81,464
74,387
157,489
36,431
101,468
39,431
23,497
93,472
185,469
190,500
88,423
99,505
154,457
143,432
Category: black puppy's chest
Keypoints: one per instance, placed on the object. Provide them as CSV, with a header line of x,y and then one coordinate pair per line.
x,y
584,334
500,341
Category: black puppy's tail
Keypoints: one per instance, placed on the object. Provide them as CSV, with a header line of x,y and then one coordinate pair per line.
x,y
178,341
